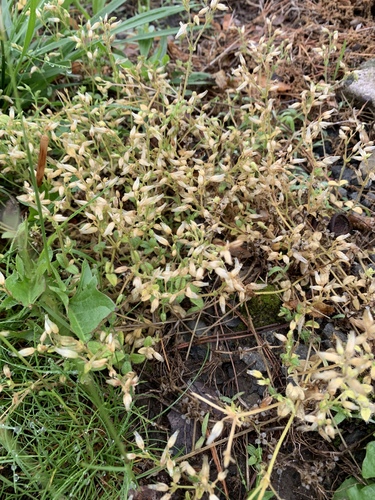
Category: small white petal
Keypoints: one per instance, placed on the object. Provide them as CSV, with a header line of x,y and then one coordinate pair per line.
x,y
182,30
216,431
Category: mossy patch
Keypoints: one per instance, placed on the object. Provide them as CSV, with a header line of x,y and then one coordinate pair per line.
x,y
264,309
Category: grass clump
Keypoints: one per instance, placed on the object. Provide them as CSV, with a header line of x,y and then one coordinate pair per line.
x,y
147,213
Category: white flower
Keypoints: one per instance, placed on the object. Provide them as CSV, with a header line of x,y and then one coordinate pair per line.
x,y
65,352
28,351
182,30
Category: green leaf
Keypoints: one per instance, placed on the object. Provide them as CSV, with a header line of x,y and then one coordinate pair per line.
x,y
137,358
72,269
368,466
9,303
112,278
20,267
145,18
87,279
61,295
274,270
266,496
87,309
199,443
96,347
25,290
30,29
199,303
358,493
62,260
342,491
148,342
126,367
147,36
205,424
108,9
339,417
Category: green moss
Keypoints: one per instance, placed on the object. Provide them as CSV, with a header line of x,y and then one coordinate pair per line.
x,y
264,309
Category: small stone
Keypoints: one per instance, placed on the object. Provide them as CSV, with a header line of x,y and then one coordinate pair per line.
x,y
368,200
254,360
302,351
346,174
198,327
343,192
329,333
360,84
354,196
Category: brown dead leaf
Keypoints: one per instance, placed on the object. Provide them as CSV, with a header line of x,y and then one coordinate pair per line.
x,y
77,68
42,160
275,85
278,20
267,401
320,310
221,79
175,53
262,82
131,50
238,249
291,304
229,22
361,222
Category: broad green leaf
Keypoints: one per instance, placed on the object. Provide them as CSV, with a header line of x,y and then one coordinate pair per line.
x,y
87,309
358,492
99,349
20,267
126,367
73,269
87,279
9,303
368,466
61,295
342,491
25,290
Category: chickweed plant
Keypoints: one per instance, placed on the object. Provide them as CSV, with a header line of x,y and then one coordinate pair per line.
x,y
145,197
42,43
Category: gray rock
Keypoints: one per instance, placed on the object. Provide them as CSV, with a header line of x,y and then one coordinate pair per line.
x,y
199,327
302,351
330,333
344,173
343,192
360,85
369,200
253,359
355,196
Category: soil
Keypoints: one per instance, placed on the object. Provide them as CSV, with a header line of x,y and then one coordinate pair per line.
x,y
209,355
